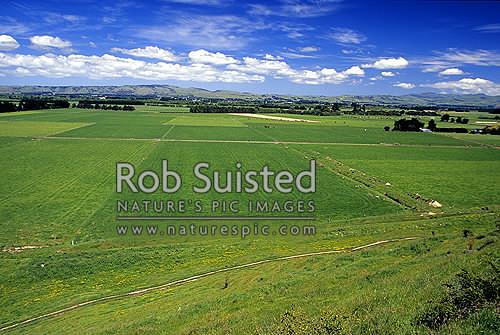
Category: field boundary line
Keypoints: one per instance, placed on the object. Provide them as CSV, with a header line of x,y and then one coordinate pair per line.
x,y
168,131
84,124
488,145
200,276
257,142
369,186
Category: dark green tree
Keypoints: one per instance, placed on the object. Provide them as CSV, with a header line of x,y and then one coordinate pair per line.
x,y
445,117
432,125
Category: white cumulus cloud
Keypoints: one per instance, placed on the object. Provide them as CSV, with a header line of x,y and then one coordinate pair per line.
x,y
200,66
355,71
387,74
8,43
149,52
108,66
451,72
388,63
323,76
47,42
207,57
271,57
280,69
406,86
260,66
469,85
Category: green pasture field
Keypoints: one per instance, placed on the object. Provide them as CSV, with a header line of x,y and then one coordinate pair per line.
x,y
37,128
457,178
58,201
161,109
472,138
207,121
18,113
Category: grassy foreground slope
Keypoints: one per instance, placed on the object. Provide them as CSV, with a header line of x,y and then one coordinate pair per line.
x,y
58,193
380,290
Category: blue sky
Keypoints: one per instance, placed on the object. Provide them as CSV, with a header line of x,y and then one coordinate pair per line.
x,y
327,47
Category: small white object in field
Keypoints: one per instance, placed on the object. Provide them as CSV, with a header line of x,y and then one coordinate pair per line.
x,y
435,204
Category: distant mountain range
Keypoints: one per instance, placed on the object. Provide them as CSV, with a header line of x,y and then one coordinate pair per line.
x,y
159,91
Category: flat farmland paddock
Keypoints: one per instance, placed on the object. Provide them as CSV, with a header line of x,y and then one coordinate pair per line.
x,y
456,177
58,195
37,128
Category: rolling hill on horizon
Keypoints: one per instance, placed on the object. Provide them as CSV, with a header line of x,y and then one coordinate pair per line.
x,y
159,91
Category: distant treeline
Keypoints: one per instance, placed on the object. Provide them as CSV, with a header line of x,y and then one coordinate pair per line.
x,y
423,108
86,105
376,112
323,110
459,119
417,125
7,107
490,110
320,109
113,101
408,125
32,104
222,109
392,112
360,109
421,113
